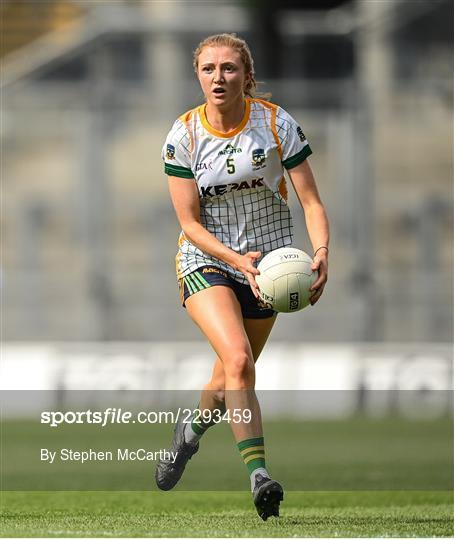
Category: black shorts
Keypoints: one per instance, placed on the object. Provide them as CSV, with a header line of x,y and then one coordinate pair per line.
x,y
209,276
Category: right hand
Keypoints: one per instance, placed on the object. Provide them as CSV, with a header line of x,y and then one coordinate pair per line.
x,y
245,264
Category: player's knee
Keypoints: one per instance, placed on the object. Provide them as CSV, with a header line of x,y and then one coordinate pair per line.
x,y
240,368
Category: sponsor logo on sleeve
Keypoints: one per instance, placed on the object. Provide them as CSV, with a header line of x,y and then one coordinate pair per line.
x,y
300,134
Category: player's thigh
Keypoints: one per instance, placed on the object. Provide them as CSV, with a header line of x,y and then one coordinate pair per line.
x,y
217,313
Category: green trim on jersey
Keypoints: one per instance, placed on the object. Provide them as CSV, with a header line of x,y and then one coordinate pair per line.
x,y
298,158
175,170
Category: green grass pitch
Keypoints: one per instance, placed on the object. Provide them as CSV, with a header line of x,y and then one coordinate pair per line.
x,y
223,514
361,478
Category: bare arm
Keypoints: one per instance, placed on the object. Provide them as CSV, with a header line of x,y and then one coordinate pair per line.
x,y
317,225
185,199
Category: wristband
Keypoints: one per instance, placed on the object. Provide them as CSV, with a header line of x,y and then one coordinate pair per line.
x,y
321,247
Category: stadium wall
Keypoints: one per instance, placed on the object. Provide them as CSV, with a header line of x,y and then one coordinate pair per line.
x,y
337,380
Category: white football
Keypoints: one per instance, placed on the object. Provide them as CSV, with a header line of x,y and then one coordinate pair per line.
x,y
285,279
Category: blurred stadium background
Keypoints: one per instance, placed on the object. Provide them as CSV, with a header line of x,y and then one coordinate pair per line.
x,y
89,91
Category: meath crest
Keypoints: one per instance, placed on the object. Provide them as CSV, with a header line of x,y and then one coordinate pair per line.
x,y
170,151
258,158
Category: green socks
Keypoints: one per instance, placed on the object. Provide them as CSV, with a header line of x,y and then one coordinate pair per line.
x,y
253,453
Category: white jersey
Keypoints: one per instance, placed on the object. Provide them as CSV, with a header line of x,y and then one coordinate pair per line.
x,y
240,179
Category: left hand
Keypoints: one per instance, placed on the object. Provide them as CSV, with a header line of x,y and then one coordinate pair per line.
x,y
320,264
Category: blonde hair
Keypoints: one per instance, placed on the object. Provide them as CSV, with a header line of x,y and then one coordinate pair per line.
x,y
238,44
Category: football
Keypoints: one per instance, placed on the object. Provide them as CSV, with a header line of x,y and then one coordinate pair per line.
x,y
285,279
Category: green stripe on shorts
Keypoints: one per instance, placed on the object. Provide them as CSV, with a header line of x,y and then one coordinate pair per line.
x,y
202,279
197,287
189,285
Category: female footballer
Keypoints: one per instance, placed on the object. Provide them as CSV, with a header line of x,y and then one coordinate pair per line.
x,y
225,162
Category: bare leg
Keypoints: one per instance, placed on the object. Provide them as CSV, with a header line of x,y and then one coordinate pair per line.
x,y
213,395
218,314
238,344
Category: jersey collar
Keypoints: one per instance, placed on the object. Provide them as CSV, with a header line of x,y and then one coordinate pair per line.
x,y
229,134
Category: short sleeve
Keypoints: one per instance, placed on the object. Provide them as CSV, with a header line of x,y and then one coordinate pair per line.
x,y
176,153
295,147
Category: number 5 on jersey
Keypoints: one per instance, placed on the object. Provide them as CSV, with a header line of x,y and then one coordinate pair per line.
x,y
230,165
